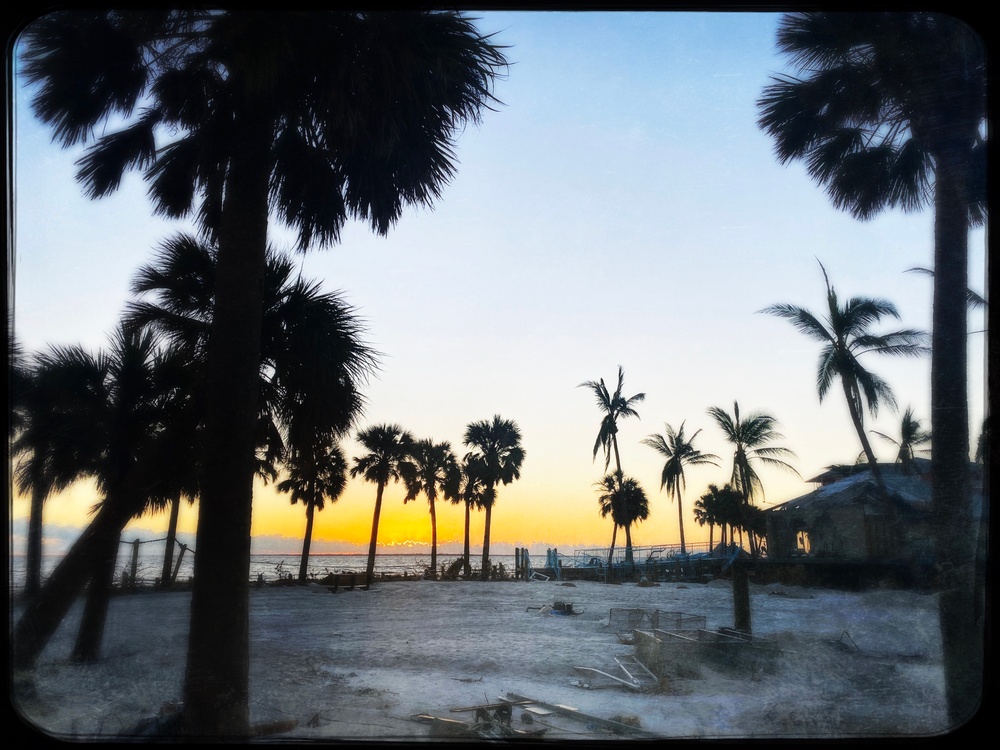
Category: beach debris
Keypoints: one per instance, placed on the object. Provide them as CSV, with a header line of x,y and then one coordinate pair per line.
x,y
593,723
469,679
556,608
636,676
491,721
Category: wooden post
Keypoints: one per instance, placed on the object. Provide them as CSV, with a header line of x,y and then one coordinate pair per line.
x,y
135,562
741,598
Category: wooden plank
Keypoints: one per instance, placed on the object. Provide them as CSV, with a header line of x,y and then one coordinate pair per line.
x,y
568,711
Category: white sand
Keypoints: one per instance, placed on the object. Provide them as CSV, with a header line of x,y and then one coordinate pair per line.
x,y
360,664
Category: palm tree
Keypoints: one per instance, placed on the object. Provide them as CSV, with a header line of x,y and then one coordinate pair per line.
x,y
625,501
911,437
890,111
750,438
614,406
846,335
497,446
263,113
314,476
679,452
466,487
433,471
389,447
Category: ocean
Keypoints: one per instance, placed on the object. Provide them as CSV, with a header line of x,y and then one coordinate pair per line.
x,y
149,564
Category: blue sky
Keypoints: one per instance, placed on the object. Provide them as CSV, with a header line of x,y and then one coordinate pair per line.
x,y
620,208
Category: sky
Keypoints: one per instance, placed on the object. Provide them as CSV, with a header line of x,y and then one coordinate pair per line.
x,y
621,207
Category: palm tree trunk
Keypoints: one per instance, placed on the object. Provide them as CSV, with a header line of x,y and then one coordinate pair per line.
x,y
44,612
611,550
628,543
168,554
485,575
434,542
87,648
465,549
370,568
680,520
217,678
306,542
960,603
33,572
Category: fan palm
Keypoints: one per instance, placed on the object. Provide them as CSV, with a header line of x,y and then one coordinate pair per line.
x,y
845,332
320,116
432,472
614,406
497,446
911,437
679,451
388,447
890,111
750,437
466,487
625,501
316,474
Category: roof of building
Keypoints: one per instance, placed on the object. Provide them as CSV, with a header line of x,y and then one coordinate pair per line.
x,y
913,490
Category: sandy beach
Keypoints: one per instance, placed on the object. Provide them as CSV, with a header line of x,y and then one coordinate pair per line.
x,y
366,664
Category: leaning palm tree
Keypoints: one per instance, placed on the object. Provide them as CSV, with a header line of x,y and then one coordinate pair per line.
x,y
614,406
246,115
497,446
911,436
889,109
315,474
625,501
388,447
679,451
846,335
433,471
750,438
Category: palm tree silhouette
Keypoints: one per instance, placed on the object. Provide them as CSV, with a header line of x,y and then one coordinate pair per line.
x,y
389,447
313,132
911,437
431,471
625,501
497,447
750,438
890,111
315,474
845,332
614,406
679,452
467,487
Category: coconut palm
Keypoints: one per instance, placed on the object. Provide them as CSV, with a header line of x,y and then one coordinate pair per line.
x,y
315,474
679,451
614,406
466,487
625,501
750,437
889,111
432,473
846,335
312,117
911,437
388,447
497,446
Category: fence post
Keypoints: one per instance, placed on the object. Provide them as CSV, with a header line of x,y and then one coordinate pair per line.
x,y
180,557
741,598
135,562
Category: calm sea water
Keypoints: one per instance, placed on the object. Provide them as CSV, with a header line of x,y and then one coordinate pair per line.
x,y
150,564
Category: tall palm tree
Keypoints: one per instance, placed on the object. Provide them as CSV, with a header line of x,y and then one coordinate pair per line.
x,y
625,501
315,475
679,451
389,447
497,446
467,487
433,472
911,436
845,332
889,111
750,438
264,114
614,406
